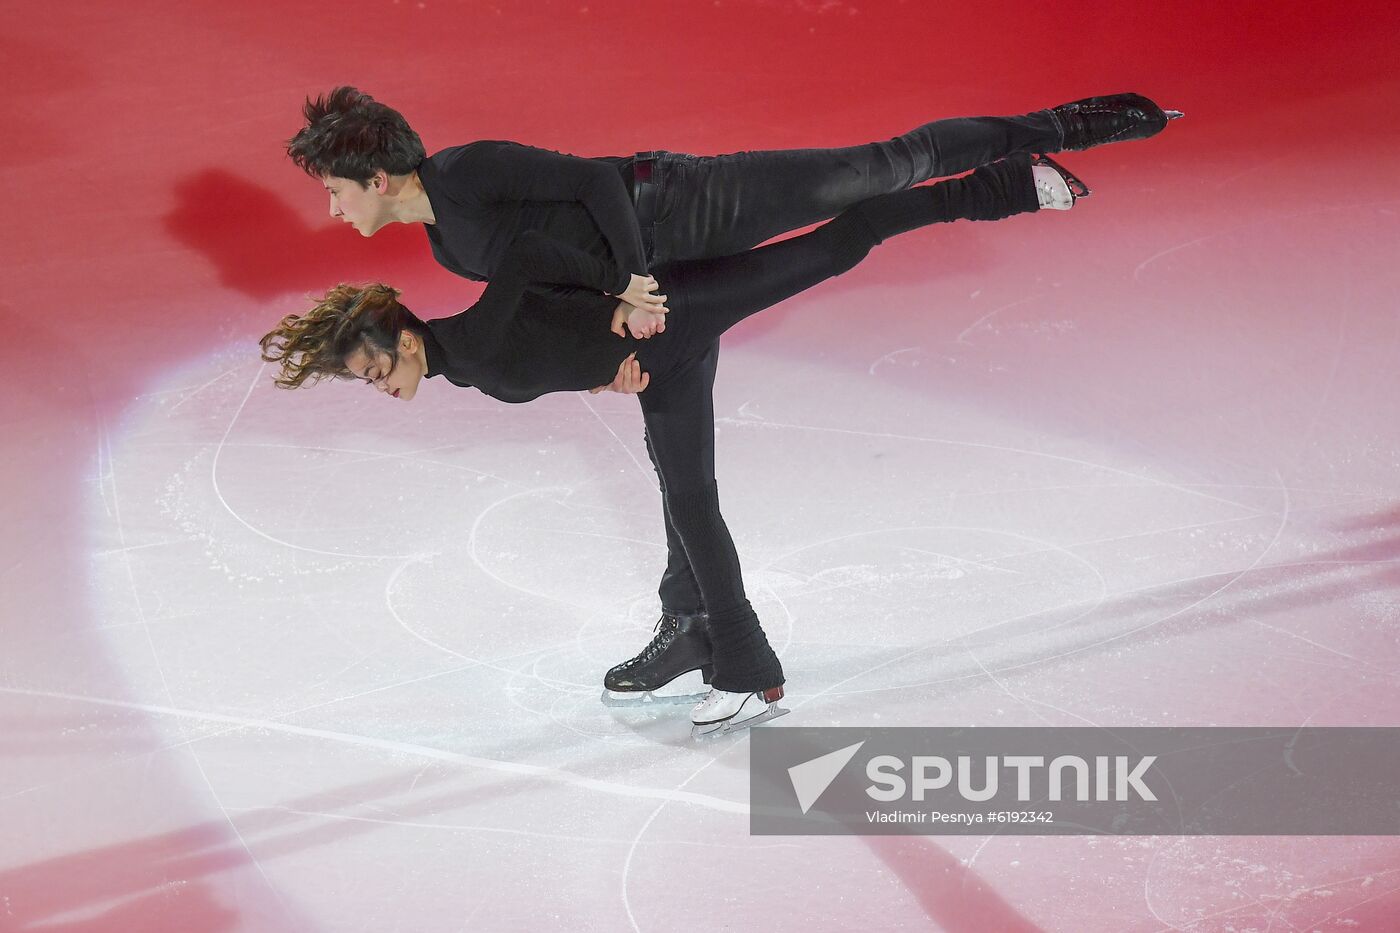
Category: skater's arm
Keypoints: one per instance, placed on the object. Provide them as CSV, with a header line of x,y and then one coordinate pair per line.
x,y
549,261
511,172
535,259
544,259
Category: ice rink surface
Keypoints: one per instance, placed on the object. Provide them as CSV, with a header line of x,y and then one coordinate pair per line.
x,y
324,661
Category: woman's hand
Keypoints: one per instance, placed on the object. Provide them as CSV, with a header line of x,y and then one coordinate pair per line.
x,y
641,323
641,293
629,380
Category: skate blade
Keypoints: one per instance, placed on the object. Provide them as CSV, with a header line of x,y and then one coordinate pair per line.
x,y
715,730
643,698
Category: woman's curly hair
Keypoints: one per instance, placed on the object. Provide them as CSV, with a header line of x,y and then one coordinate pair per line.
x,y
347,318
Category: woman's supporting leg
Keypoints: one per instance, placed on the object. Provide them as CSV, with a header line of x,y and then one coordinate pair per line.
x,y
720,205
679,414
708,296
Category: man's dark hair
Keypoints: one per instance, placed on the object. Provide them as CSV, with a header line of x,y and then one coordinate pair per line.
x,y
349,134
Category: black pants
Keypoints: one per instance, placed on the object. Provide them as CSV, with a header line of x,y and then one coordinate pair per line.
x,y
722,205
709,296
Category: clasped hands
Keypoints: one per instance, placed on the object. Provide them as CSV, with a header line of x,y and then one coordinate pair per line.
x,y
643,312
641,309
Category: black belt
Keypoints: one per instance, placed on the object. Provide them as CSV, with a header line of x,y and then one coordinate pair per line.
x,y
646,192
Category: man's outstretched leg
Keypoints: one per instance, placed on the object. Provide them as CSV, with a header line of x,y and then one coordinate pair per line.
x,y
721,205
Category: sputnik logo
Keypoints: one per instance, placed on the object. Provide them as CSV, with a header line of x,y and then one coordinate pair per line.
x,y
811,778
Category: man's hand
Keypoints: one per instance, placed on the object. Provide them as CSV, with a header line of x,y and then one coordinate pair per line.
x,y
629,380
642,293
641,323
644,324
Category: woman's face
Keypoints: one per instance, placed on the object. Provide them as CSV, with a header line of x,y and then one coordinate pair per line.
x,y
396,376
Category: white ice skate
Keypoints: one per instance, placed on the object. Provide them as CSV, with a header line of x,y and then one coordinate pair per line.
x,y
723,711
1056,187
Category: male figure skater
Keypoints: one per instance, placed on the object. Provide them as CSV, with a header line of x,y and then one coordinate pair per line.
x,y
652,208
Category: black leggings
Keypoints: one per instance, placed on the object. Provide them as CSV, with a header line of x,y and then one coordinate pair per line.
x,y
721,205
709,296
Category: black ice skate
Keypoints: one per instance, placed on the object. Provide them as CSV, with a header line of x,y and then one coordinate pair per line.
x,y
681,645
723,712
1116,118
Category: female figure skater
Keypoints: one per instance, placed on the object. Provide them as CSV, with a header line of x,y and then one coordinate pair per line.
x,y
517,343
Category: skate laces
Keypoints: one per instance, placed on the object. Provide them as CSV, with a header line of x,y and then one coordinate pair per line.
x,y
665,629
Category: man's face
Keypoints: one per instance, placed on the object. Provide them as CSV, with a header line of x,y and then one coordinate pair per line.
x,y
366,208
396,376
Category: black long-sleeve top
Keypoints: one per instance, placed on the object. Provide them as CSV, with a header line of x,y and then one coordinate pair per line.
x,y
486,193
515,344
